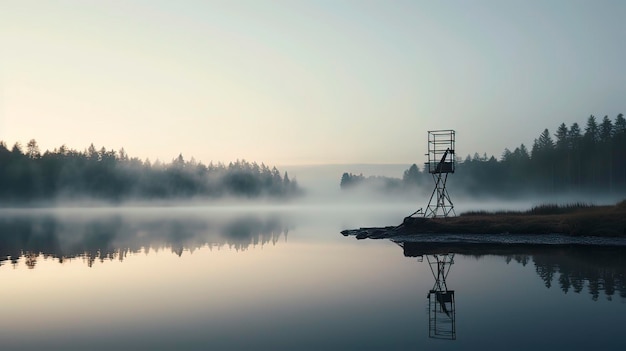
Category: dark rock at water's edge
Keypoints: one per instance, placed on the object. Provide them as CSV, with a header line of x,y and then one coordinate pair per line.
x,y
372,233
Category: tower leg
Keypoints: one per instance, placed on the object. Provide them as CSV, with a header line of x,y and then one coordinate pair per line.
x,y
442,207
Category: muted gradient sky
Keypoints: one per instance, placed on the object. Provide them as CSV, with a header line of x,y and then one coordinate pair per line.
x,y
305,82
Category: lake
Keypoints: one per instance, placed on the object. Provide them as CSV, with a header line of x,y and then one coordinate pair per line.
x,y
279,277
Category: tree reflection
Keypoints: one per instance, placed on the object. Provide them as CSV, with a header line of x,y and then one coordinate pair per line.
x,y
29,238
599,269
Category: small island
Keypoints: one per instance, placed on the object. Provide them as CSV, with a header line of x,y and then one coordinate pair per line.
x,y
571,220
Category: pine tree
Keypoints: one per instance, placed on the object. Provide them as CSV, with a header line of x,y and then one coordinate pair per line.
x,y
32,149
592,131
606,130
561,137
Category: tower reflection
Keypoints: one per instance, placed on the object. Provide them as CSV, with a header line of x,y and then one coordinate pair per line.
x,y
441,304
570,268
441,299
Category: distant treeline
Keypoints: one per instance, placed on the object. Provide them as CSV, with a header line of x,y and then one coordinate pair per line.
x,y
571,160
27,175
349,180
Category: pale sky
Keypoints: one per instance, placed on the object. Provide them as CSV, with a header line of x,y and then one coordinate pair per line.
x,y
305,82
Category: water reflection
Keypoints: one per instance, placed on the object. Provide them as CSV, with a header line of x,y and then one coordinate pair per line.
x,y
441,303
110,237
599,269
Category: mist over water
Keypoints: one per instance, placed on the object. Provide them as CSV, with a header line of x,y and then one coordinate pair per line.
x,y
278,275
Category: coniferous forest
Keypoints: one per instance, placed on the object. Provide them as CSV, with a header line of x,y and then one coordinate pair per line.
x,y
574,159
27,175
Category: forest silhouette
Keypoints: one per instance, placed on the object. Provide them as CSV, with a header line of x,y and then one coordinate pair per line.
x,y
574,161
28,175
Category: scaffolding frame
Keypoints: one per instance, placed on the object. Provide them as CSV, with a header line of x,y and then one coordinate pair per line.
x,y
441,162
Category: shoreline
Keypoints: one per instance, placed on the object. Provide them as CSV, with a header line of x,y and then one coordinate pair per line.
x,y
572,221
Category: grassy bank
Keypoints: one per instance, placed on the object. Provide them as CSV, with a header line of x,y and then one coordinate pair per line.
x,y
573,219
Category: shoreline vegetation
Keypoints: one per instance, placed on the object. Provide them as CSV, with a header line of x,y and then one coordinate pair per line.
x,y
570,220
31,177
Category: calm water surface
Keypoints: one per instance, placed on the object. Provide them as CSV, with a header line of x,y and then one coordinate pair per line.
x,y
272,278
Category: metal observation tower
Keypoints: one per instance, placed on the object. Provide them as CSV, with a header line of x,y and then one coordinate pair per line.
x,y
441,162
